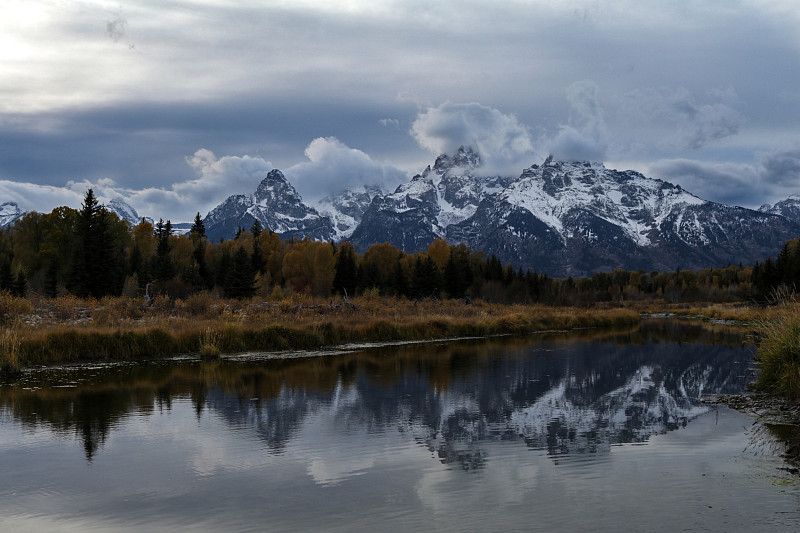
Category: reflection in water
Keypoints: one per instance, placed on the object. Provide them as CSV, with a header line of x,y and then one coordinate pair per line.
x,y
506,433
562,395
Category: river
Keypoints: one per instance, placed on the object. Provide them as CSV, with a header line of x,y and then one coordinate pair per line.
x,y
588,431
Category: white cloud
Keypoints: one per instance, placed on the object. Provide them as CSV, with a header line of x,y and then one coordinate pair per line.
x,y
584,138
333,167
41,198
772,177
504,144
679,120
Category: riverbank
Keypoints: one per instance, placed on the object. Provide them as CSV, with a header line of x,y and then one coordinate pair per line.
x,y
69,329
40,331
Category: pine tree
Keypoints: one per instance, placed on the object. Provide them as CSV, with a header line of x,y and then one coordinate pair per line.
x,y
6,277
240,281
346,272
163,267
398,282
256,229
457,273
425,278
51,280
198,227
97,267
20,284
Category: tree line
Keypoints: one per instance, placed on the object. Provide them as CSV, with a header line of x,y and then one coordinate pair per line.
x,y
92,253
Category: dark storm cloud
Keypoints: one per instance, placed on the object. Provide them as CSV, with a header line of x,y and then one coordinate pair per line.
x,y
772,177
695,83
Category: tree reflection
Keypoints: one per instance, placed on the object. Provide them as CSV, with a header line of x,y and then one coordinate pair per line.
x,y
566,394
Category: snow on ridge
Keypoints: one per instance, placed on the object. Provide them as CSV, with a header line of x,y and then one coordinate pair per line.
x,y
628,199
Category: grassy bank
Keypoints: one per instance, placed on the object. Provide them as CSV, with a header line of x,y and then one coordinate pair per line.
x,y
779,354
68,329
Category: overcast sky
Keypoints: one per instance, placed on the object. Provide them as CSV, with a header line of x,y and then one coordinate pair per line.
x,y
174,105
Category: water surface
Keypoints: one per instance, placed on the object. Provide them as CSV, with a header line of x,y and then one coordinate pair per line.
x,y
591,431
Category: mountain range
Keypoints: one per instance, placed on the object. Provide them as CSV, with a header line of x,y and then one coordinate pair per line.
x,y
560,217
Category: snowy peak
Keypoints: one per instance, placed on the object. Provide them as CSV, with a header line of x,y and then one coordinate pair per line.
x,y
9,212
276,205
124,211
275,188
562,218
636,204
347,208
464,158
789,208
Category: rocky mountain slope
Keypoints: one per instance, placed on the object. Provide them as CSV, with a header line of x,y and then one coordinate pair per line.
x,y
570,218
789,208
561,218
276,205
9,212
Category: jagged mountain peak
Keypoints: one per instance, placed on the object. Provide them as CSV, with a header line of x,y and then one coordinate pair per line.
x,y
463,158
275,187
123,210
9,212
346,208
789,208
558,217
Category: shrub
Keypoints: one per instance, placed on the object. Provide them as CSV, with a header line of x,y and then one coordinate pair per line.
x,y
779,358
13,306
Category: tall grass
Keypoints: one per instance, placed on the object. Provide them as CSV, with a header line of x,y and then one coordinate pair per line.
x,y
9,352
778,354
71,329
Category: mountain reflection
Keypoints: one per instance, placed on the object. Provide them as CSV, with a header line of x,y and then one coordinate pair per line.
x,y
575,394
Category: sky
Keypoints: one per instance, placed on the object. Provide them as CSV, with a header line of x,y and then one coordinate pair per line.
x,y
175,105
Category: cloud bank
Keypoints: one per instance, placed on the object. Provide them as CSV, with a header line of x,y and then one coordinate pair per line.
x,y
333,167
775,175
584,137
504,144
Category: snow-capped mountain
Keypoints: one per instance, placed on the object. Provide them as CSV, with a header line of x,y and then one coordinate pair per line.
x,y
424,208
571,218
790,208
276,205
9,212
124,210
560,218
347,208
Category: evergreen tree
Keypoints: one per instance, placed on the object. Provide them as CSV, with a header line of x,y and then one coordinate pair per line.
x,y
20,284
256,229
51,280
198,227
425,278
369,276
6,277
457,273
346,272
398,282
223,268
257,257
240,281
494,269
163,266
97,267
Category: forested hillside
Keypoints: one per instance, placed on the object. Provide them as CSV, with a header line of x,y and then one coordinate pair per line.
x,y
91,252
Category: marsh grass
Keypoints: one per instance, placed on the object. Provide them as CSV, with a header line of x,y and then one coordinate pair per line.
x,y
778,353
9,352
72,329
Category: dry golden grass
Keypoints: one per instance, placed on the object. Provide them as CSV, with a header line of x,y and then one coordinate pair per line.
x,y
778,353
71,329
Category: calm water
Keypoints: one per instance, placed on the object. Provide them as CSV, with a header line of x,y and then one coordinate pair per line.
x,y
596,431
